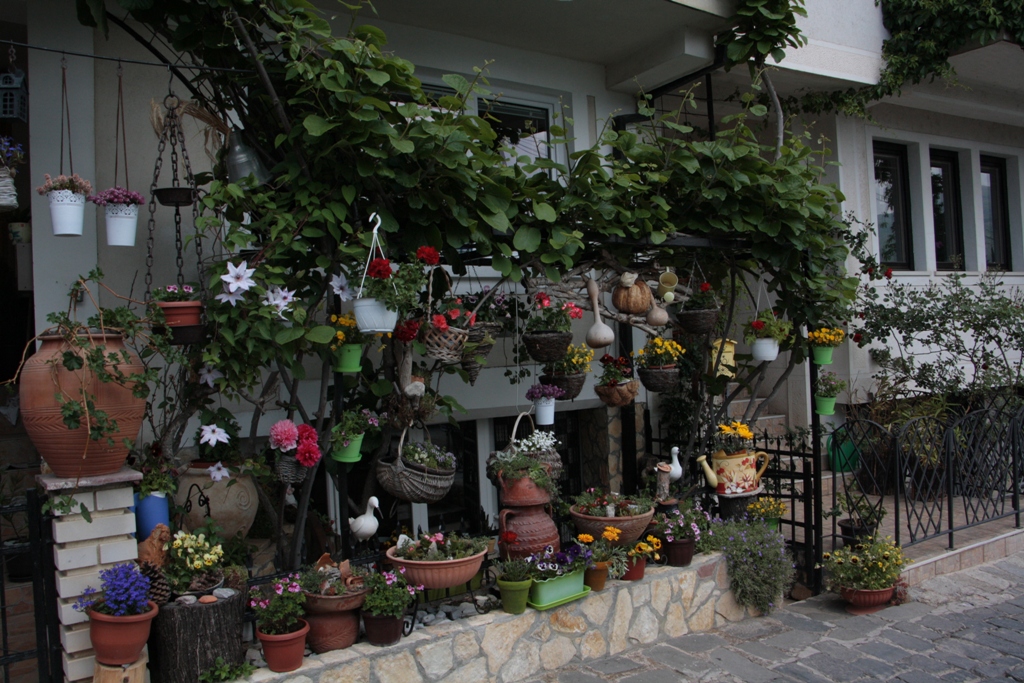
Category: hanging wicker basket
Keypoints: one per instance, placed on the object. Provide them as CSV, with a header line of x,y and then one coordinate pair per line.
x,y
547,347
289,471
446,346
659,379
618,395
481,349
572,385
411,482
698,322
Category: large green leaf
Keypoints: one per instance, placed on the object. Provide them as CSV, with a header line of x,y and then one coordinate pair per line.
x,y
288,335
321,334
317,125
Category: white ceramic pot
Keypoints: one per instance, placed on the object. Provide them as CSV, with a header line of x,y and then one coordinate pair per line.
x,y
765,350
8,195
374,316
67,212
544,411
122,220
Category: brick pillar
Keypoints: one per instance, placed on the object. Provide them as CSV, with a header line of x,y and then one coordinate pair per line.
x,y
81,549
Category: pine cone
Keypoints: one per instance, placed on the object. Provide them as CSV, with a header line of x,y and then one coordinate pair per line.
x,y
159,587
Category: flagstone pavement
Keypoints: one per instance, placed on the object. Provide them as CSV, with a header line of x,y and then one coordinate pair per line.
x,y
965,626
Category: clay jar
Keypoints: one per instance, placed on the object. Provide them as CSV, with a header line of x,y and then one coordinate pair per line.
x,y
71,453
232,506
525,514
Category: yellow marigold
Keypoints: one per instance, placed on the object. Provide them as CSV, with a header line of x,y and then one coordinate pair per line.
x,y
585,538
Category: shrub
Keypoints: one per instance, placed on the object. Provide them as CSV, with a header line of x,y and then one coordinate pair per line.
x,y
760,567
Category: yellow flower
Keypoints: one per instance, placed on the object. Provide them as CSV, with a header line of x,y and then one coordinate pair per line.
x,y
177,543
585,538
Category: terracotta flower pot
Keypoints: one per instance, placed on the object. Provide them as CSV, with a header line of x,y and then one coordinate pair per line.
x,y
596,577
71,453
181,313
532,528
442,574
865,601
680,552
631,527
636,569
284,652
383,630
232,507
118,641
521,491
333,620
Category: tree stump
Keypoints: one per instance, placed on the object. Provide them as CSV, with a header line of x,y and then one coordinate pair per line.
x,y
131,673
187,639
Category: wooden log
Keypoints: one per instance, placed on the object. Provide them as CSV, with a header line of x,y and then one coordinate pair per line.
x,y
187,639
131,673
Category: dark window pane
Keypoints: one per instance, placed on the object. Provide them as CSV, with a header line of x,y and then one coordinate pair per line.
x,y
945,177
996,213
891,195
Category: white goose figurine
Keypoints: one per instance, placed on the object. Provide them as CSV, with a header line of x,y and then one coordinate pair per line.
x,y
365,525
676,473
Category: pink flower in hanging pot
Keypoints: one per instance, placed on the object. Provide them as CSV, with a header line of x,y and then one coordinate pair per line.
x,y
284,435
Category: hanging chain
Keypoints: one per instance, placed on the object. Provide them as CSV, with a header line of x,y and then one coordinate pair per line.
x,y
197,239
176,137
11,57
152,209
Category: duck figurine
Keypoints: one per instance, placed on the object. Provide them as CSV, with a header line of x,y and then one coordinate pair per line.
x,y
676,473
365,525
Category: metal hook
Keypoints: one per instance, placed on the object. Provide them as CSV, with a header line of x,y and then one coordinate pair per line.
x,y
170,81
376,218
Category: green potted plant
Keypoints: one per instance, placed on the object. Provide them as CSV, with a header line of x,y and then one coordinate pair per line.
x,y
615,385
348,433
764,334
194,563
121,210
558,575
514,581
769,510
656,364
826,389
682,528
549,328
823,342
570,372
864,517
120,622
347,345
864,574
593,510
607,558
390,594
544,397
440,560
385,293
639,554
279,624
11,156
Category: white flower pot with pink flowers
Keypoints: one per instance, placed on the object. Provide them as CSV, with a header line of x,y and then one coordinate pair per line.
x,y
67,202
122,214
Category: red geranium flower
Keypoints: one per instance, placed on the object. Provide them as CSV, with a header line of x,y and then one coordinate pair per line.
x,y
543,300
440,322
888,273
509,537
454,313
407,330
380,268
857,338
705,287
428,255
472,320
757,325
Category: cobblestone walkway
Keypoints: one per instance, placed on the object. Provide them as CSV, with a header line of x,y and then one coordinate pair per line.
x,y
967,626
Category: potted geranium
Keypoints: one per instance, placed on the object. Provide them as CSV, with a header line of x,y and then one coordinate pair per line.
x,y
193,563
864,574
385,292
569,373
348,434
279,623
121,209
385,604
119,623
826,389
823,342
334,593
439,560
593,510
656,364
67,202
764,334
682,528
607,558
615,385
558,575
549,328
11,156
637,556
514,582
178,306
347,345
493,313
445,335
544,397
699,313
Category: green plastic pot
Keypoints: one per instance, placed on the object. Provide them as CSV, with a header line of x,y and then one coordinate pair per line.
x,y
349,358
560,588
514,595
825,405
822,355
349,453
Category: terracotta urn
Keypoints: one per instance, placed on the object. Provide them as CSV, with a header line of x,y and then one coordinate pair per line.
x,y
232,507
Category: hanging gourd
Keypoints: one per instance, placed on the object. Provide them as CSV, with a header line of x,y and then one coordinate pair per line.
x,y
632,295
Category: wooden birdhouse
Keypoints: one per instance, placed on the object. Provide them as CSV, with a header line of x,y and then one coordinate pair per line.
x,y
728,356
13,95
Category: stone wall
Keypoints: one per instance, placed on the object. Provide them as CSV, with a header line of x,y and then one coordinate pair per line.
x,y
503,648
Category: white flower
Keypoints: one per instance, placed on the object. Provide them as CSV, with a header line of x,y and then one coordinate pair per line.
x,y
212,434
229,297
208,375
286,296
239,277
218,472
279,299
339,283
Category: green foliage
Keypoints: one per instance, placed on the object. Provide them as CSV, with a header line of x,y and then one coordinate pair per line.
x,y
515,569
829,385
513,464
760,566
870,565
222,671
763,28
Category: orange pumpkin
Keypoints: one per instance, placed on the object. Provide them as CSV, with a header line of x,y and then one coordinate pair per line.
x,y
634,300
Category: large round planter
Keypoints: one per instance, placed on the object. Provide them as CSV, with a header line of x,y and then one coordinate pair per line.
x,y
532,528
822,355
118,641
864,601
765,350
738,472
559,588
514,595
373,316
631,527
617,395
67,212
349,358
659,379
232,507
383,630
443,574
333,620
284,652
122,220
349,453
544,411
596,577
680,552
825,405
149,512
181,313
547,347
71,453
572,385
698,321
636,569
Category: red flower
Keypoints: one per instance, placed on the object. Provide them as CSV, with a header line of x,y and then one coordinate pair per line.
x,y
857,338
543,300
757,325
308,454
428,255
871,270
509,537
575,312
705,287
888,273
472,320
379,268
440,322
607,358
307,434
454,313
407,330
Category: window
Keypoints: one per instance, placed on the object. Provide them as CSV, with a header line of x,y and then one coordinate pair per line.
x,y
996,210
522,127
892,199
948,220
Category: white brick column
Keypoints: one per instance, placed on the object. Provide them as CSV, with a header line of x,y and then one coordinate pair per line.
x,y
81,549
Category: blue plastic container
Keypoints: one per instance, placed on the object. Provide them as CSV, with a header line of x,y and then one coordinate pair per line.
x,y
150,511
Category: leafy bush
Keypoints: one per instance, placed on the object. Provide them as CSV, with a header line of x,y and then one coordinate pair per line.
x,y
222,671
760,566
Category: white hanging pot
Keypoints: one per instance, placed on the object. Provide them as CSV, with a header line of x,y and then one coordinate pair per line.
x,y
67,212
374,316
544,411
122,220
765,350
8,195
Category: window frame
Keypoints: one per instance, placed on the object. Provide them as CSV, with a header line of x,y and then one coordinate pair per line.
x,y
953,209
903,211
1001,210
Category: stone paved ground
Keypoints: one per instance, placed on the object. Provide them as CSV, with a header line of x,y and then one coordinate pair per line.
x,y
966,626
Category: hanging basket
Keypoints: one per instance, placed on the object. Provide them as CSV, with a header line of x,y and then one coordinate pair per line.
x,y
572,385
659,379
698,322
411,482
8,194
480,349
446,346
547,347
372,316
122,221
289,471
551,458
618,395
